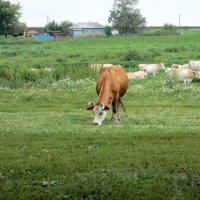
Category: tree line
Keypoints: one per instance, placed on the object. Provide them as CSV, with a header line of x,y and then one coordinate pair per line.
x,y
124,17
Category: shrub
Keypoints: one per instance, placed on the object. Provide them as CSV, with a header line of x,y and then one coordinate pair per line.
x,y
170,29
133,55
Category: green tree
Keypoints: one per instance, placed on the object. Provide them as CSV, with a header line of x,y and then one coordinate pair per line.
x,y
19,29
125,17
65,27
170,29
9,17
52,26
108,30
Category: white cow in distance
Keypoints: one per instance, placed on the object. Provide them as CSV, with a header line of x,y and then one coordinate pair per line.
x,y
98,67
194,65
138,74
177,66
151,68
184,75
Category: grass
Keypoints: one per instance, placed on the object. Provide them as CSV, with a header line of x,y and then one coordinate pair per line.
x,y
50,150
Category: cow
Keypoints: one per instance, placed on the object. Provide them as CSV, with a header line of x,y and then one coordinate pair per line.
x,y
177,66
138,74
194,65
111,86
185,75
151,68
98,67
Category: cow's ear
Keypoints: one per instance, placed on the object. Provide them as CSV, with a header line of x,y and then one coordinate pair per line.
x,y
106,107
90,106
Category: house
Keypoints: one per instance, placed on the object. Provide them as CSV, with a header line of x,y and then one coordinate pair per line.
x,y
87,29
32,31
56,34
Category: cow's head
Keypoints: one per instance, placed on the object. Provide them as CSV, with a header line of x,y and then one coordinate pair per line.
x,y
99,112
162,66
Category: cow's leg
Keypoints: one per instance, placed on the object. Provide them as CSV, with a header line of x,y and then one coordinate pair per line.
x,y
118,109
115,106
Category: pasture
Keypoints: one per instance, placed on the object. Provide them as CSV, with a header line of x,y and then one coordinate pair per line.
x,y
50,150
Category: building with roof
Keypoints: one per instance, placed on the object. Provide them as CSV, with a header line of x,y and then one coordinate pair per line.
x,y
32,31
87,29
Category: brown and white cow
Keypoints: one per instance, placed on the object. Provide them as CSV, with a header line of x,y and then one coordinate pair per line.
x,y
111,86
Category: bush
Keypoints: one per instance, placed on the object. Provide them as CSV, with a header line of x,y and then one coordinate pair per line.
x,y
170,29
134,55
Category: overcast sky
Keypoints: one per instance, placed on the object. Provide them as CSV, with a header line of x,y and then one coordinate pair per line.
x,y
156,12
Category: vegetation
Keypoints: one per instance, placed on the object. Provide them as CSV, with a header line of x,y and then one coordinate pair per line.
x,y
125,17
166,29
50,150
9,18
170,29
54,26
108,31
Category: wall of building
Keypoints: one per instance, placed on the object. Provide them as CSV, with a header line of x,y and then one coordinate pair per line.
x,y
88,32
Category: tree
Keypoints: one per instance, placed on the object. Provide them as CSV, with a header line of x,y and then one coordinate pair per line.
x,y
170,29
108,30
19,29
125,17
9,17
52,26
63,27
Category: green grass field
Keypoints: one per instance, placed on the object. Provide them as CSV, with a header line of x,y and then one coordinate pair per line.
x,y
50,150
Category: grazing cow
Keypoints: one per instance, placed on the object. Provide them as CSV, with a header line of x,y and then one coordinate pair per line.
x,y
138,74
151,68
185,75
111,86
194,65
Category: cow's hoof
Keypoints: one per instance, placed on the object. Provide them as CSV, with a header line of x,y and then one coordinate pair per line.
x,y
115,121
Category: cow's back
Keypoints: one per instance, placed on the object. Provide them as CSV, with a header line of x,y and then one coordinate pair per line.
x,y
116,77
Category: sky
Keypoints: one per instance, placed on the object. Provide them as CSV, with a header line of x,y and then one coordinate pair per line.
x,y
36,13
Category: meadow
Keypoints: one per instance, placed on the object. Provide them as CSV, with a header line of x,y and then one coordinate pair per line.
x,y
49,148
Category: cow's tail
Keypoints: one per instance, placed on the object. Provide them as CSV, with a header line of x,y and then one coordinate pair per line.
x,y
121,102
